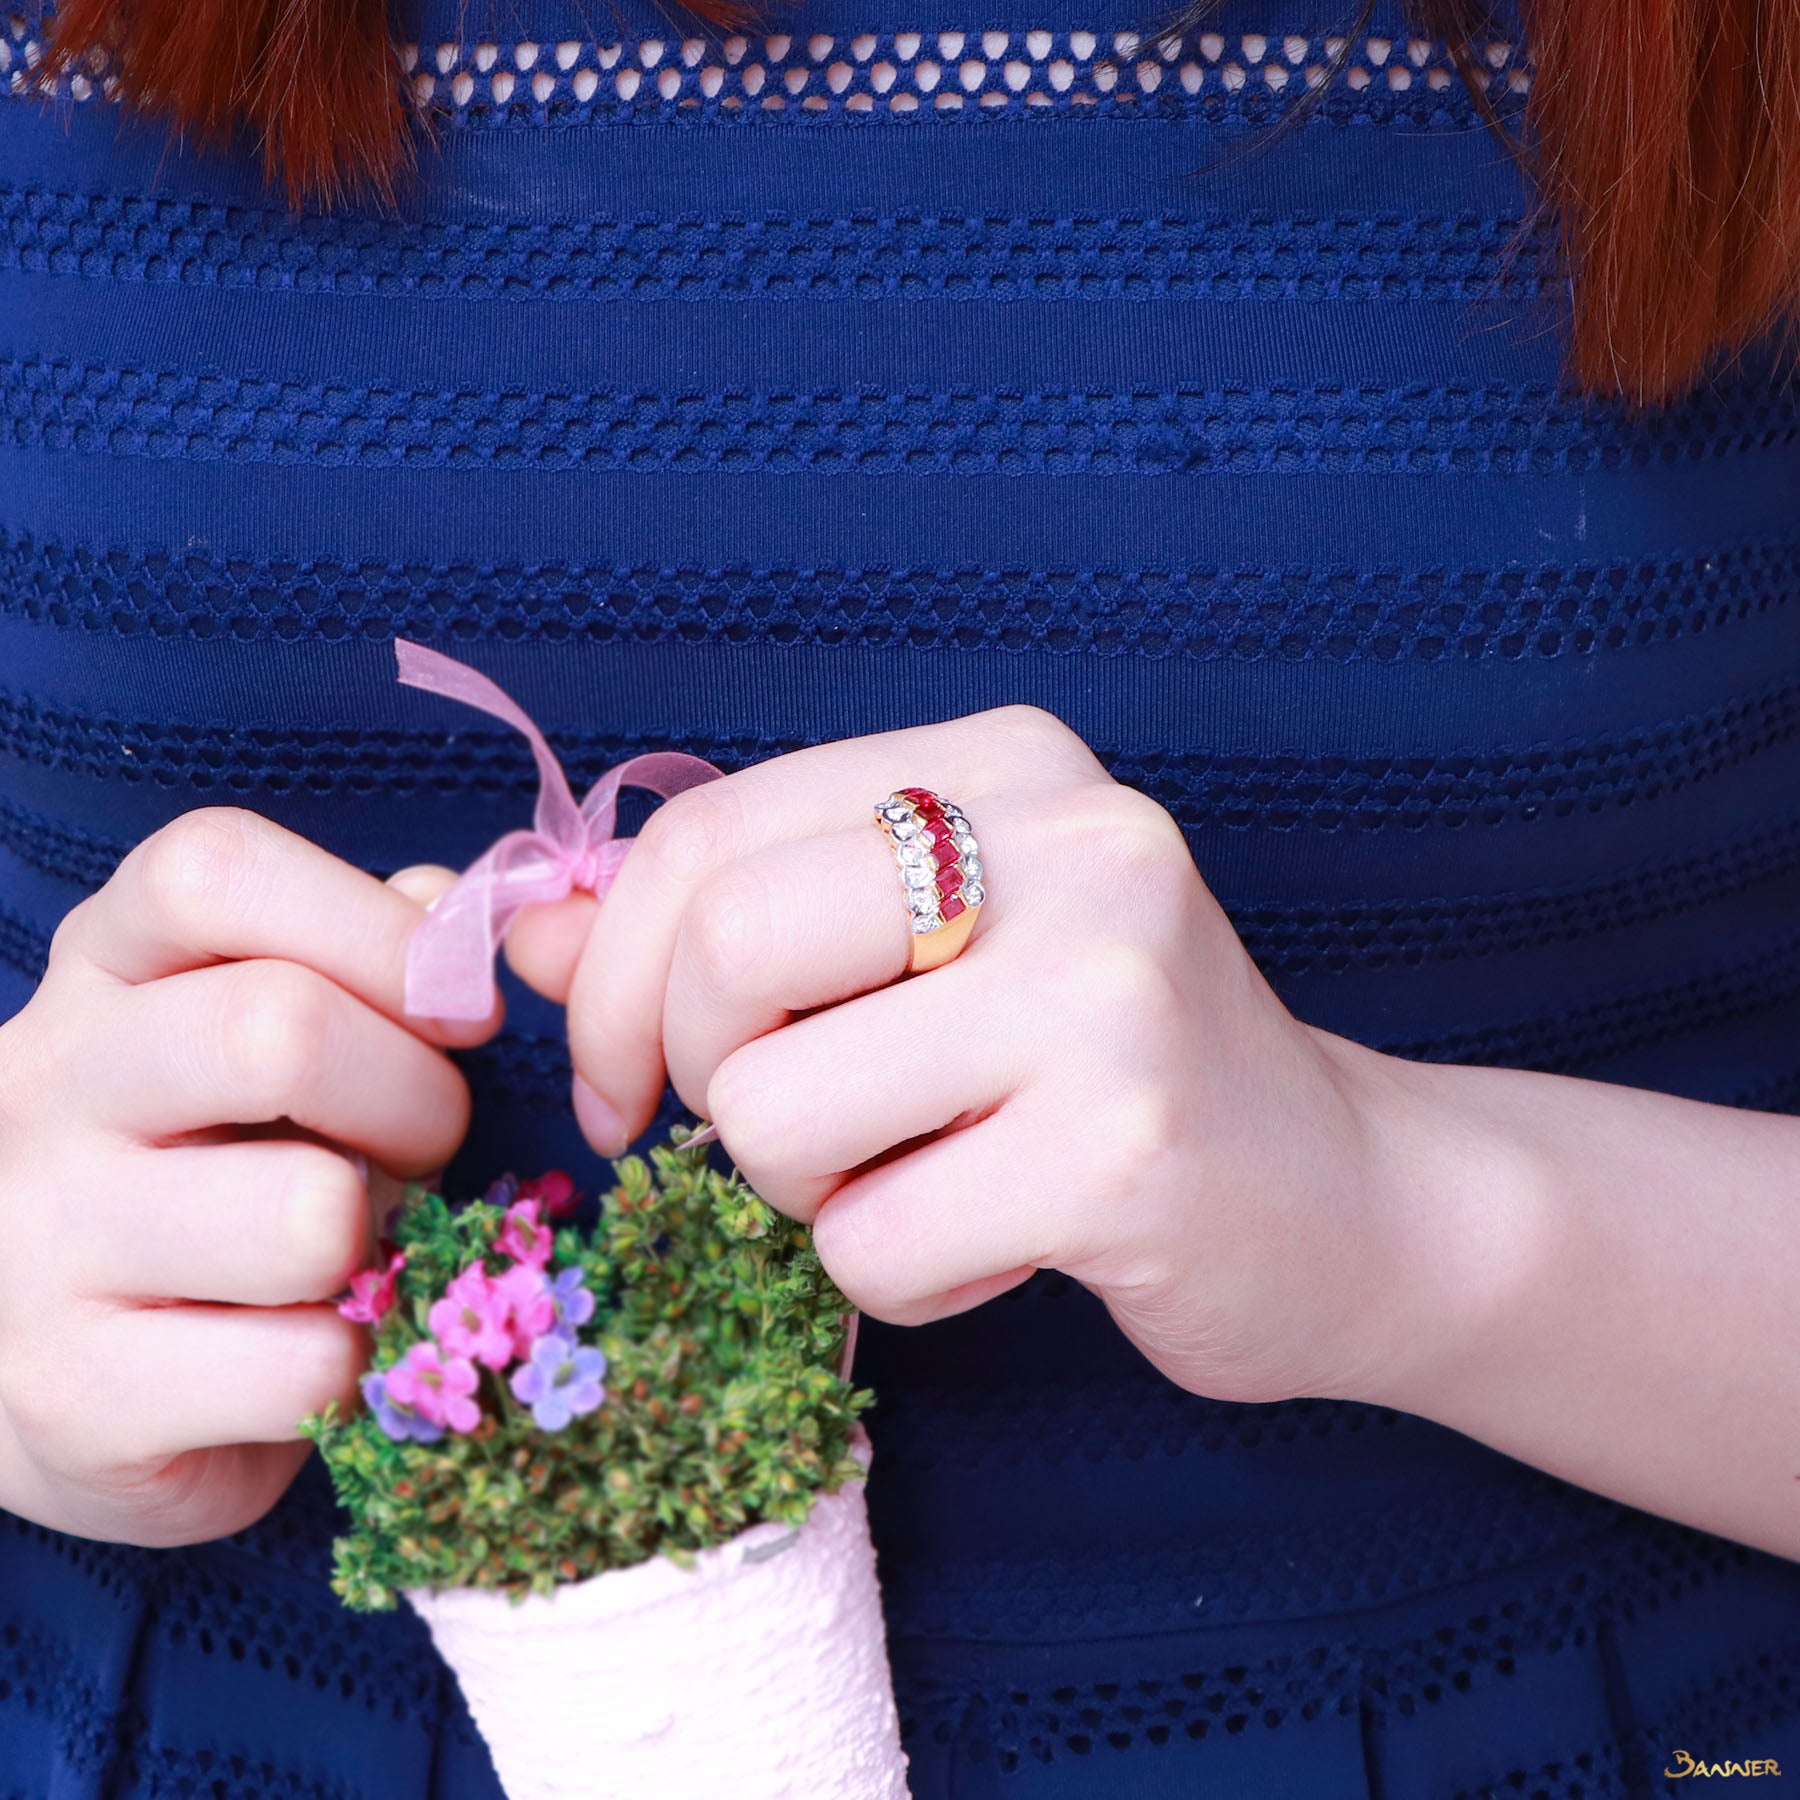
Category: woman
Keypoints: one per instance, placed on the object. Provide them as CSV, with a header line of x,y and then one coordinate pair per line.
x,y
1333,1339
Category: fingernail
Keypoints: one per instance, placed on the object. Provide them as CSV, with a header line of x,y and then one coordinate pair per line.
x,y
600,1124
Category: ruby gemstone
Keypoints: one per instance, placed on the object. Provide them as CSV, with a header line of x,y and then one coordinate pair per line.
x,y
952,907
949,880
944,853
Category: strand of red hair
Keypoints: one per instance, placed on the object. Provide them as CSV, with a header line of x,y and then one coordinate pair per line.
x,y
1664,135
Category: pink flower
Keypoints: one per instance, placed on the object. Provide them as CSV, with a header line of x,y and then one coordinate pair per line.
x,y
372,1292
436,1387
555,1189
524,1237
530,1306
472,1319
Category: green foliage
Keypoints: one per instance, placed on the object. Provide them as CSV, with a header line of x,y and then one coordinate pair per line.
x,y
723,1407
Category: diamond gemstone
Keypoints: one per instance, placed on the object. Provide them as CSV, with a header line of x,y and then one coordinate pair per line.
x,y
916,856
965,843
954,819
916,877
896,810
971,866
974,892
904,827
924,922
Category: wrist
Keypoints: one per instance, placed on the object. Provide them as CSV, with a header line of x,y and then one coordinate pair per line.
x,y
1454,1192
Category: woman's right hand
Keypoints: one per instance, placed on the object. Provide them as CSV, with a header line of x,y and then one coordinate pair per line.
x,y
218,1029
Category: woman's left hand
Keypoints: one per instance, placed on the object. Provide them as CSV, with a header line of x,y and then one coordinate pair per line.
x,y
1101,1083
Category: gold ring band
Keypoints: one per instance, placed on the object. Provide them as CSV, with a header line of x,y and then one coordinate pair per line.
x,y
940,871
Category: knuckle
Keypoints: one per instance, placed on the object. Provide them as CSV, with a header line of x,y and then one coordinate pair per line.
x,y
1037,734
1144,1128
66,940
690,835
727,927
277,1028
1144,854
1035,724
1126,983
206,864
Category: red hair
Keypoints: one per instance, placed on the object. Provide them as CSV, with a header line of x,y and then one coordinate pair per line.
x,y
1664,134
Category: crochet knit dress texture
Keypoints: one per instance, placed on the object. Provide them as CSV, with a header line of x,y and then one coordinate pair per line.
x,y
735,395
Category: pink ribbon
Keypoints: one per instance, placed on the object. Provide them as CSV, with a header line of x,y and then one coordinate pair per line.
x,y
570,848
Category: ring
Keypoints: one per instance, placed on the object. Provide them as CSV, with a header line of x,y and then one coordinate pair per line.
x,y
940,866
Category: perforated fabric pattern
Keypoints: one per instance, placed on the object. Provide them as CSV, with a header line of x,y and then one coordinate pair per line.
x,y
1736,1705
903,74
23,947
1294,611
1594,1774
776,256
1236,792
922,430
1568,1616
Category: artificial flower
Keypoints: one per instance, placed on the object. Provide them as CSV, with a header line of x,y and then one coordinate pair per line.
x,y
556,1190
438,1388
372,1292
561,1381
524,1237
530,1306
574,1303
398,1421
473,1319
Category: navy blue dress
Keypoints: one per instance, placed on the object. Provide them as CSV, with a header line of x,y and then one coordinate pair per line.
x,y
738,396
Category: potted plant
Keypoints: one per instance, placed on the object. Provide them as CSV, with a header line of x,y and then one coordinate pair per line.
x,y
618,1471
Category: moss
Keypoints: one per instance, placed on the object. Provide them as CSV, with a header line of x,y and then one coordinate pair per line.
x,y
723,1407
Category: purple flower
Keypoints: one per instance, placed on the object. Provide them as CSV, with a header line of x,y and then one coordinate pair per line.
x,y
574,1303
501,1194
400,1422
561,1381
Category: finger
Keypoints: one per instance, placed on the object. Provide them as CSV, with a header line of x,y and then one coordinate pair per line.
x,y
195,1498
913,1239
180,1378
422,883
615,994
253,1224
251,1042
545,943
774,933
221,885
801,1107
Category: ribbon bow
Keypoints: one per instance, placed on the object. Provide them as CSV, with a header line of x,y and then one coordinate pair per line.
x,y
570,848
